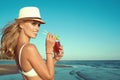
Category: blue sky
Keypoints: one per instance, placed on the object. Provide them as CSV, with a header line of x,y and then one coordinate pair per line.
x,y
88,29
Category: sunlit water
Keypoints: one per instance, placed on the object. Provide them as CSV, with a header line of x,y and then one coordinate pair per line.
x,y
79,70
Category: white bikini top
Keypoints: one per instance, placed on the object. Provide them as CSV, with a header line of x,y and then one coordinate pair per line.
x,y
30,73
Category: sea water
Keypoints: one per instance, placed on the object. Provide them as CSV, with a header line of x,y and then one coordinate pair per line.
x,y
79,70
92,70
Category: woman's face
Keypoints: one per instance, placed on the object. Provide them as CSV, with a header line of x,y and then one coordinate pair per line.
x,y
31,28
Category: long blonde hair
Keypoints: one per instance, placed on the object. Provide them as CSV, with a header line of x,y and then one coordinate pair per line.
x,y
9,39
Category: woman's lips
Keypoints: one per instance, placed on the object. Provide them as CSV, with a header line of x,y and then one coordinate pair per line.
x,y
35,32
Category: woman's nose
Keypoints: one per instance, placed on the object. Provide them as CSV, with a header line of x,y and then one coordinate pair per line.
x,y
37,27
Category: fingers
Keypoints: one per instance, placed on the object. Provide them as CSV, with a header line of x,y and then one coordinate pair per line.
x,y
50,42
61,47
61,51
60,54
50,36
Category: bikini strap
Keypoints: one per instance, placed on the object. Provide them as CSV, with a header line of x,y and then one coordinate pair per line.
x,y
20,52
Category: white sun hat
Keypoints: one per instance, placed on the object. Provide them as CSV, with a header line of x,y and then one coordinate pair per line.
x,y
30,13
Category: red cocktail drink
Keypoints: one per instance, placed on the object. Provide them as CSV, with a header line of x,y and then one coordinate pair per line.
x,y
56,47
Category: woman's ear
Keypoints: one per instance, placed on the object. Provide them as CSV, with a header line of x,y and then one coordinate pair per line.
x,y
21,25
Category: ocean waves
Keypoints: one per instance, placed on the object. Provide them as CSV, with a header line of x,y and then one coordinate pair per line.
x,y
90,70
87,73
94,63
80,70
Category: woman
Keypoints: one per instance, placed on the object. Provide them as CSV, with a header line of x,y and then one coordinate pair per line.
x,y
15,42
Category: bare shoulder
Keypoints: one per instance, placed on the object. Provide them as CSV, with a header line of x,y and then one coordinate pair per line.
x,y
32,54
30,49
30,46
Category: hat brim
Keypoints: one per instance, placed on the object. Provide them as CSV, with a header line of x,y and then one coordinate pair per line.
x,y
30,18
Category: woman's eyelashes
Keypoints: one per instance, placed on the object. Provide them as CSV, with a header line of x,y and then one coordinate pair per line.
x,y
34,23
39,25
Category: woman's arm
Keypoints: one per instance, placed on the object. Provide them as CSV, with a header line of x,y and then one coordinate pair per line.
x,y
44,70
50,42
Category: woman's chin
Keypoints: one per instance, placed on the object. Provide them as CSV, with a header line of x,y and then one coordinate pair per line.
x,y
34,36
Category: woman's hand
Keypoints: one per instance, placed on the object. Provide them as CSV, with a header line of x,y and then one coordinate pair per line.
x,y
50,42
58,56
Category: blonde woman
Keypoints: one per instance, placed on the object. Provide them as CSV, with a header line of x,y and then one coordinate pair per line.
x,y
15,42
